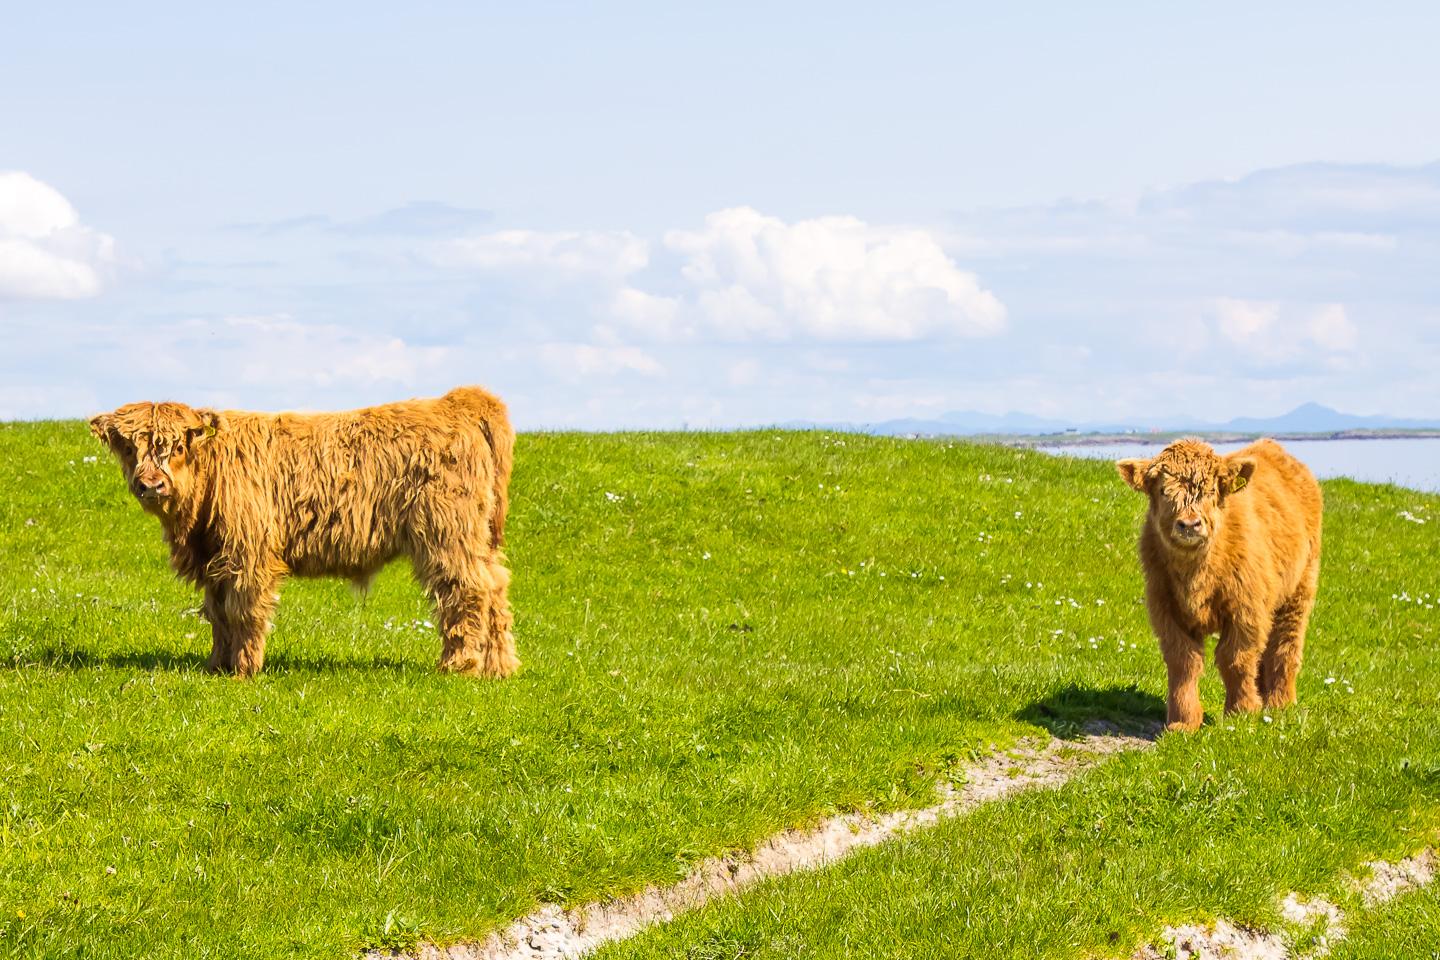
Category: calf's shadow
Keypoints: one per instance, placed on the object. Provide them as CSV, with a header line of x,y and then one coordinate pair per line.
x,y
76,658
1073,711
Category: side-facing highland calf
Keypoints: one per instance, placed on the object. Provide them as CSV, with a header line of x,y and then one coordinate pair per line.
x,y
247,499
1230,545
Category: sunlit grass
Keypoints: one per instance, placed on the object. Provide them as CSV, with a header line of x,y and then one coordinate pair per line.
x,y
723,635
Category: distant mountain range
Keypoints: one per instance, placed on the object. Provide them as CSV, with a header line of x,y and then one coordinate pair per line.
x,y
1306,418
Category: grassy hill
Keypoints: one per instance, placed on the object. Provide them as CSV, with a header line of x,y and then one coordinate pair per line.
x,y
723,634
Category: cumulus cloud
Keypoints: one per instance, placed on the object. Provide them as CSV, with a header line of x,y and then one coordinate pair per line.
x,y
1245,322
650,315
1092,310
45,252
748,276
1274,332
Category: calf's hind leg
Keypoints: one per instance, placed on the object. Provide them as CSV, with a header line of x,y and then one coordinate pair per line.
x,y
1280,667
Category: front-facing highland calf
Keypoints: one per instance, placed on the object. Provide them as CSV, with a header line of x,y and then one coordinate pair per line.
x,y
249,499
1230,545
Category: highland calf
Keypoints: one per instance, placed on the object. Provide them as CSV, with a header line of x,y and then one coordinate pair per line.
x,y
247,499
1231,545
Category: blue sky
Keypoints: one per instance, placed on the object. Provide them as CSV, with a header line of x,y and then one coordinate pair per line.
x,y
665,214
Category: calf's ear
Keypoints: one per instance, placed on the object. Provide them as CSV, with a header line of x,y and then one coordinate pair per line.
x,y
211,423
1133,472
100,426
1238,472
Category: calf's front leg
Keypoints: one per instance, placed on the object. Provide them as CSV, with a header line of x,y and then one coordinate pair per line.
x,y
1184,662
214,608
1184,653
475,622
239,621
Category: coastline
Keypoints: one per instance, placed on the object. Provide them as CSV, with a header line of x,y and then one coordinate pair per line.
x,y
1159,439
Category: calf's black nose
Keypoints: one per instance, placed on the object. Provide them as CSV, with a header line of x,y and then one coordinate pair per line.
x,y
156,489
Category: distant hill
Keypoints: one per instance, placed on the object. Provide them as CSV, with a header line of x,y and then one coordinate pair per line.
x,y
1306,418
1315,418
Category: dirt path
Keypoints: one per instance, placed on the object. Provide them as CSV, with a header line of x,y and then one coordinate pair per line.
x,y
1321,921
551,933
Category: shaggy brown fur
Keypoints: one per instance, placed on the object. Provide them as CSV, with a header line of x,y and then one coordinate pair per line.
x,y
1231,545
247,499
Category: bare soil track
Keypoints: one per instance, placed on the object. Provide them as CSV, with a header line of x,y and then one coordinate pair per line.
x,y
551,933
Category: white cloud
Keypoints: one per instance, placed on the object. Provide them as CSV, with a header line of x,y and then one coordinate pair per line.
x,y
745,276
576,360
29,208
1328,298
45,252
1330,327
1273,332
1245,321
269,350
645,313
573,254
748,276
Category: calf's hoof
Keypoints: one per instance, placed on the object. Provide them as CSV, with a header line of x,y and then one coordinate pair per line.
x,y
494,662
1182,726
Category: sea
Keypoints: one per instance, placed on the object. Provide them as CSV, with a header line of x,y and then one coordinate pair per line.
x,y
1406,462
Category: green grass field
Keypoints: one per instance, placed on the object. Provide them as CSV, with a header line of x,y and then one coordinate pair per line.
x,y
723,635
